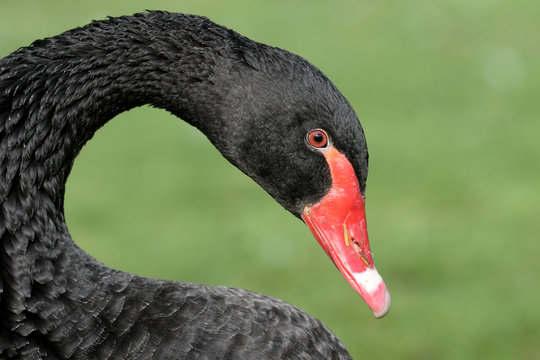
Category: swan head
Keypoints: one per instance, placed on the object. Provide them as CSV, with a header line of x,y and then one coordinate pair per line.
x,y
284,124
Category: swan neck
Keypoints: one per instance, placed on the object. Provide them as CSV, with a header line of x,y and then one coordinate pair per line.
x,y
57,93
54,95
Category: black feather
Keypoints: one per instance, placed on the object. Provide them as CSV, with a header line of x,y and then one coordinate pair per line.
x,y
57,302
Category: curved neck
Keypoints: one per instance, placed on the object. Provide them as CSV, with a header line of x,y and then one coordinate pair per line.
x,y
58,92
55,94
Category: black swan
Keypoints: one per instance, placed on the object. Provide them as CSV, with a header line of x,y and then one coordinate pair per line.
x,y
269,112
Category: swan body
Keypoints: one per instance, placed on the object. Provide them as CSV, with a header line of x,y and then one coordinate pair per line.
x,y
56,301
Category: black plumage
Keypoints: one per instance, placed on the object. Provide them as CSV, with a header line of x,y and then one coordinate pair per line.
x,y
56,301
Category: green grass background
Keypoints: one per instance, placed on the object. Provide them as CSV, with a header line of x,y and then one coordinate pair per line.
x,y
448,94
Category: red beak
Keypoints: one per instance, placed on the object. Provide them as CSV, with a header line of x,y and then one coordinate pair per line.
x,y
338,222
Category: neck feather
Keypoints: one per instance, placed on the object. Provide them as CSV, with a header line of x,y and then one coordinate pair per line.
x,y
53,96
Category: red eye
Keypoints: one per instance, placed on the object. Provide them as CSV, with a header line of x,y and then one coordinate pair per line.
x,y
317,138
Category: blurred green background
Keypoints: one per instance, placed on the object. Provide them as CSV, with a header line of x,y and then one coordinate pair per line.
x,y
448,94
